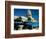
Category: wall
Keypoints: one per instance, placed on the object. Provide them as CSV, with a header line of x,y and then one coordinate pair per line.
x,y
2,19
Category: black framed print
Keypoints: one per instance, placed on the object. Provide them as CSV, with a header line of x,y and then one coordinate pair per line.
x,y
24,19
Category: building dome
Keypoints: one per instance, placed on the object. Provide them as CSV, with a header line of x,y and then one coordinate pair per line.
x,y
29,13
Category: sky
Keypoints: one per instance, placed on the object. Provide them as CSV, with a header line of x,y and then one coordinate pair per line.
x,y
23,12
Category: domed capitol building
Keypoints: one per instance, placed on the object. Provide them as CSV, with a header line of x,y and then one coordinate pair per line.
x,y
25,22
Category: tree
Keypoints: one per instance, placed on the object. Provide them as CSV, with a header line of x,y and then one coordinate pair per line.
x,y
18,19
29,19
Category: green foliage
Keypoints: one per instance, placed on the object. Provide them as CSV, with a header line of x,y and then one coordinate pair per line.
x,y
19,19
29,19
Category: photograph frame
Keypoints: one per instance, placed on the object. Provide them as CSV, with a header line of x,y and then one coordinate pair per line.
x,y
8,19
